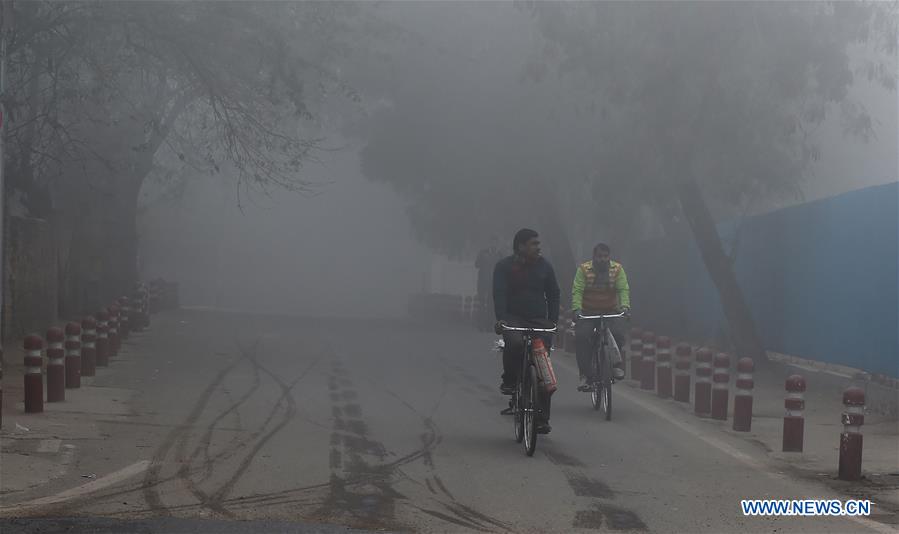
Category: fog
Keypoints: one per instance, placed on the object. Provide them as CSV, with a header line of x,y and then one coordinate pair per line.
x,y
457,94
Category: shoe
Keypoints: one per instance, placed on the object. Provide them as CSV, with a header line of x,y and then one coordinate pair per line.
x,y
507,389
544,428
618,373
583,386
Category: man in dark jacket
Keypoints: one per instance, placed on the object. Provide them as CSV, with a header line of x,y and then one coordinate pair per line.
x,y
525,294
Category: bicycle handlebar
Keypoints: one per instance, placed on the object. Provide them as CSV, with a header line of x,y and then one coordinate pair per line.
x,y
508,328
615,316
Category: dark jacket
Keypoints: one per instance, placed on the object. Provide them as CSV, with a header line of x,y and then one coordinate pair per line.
x,y
525,290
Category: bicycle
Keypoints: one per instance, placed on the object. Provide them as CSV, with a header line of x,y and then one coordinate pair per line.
x,y
601,378
524,404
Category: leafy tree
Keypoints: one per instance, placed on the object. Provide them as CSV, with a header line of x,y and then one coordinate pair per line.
x,y
102,93
717,100
671,107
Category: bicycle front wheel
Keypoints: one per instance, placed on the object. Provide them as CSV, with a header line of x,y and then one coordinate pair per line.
x,y
605,396
518,414
530,411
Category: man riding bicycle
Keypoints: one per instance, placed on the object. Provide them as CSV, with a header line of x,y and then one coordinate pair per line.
x,y
600,287
525,294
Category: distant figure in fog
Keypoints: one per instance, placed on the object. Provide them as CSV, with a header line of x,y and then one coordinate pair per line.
x,y
485,262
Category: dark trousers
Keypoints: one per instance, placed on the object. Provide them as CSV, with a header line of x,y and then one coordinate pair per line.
x,y
513,353
583,333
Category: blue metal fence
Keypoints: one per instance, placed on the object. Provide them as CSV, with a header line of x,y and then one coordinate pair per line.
x,y
821,279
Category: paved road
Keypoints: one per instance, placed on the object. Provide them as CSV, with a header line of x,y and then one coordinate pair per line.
x,y
389,425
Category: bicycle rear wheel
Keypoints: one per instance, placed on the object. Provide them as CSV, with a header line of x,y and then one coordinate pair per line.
x,y
530,411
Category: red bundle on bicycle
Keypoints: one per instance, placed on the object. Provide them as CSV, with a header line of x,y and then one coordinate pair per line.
x,y
545,372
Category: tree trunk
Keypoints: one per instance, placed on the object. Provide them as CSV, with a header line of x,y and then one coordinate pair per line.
x,y
718,265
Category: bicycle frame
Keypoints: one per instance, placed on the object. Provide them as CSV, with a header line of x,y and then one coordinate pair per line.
x,y
529,334
599,331
602,379
525,415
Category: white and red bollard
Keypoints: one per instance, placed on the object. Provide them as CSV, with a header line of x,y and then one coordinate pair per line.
x,y
702,390
34,376
113,330
794,418
88,346
720,386
663,369
851,437
648,367
73,355
636,353
102,338
56,365
743,395
682,372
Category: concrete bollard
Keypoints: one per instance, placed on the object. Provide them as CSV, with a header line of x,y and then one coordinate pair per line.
x,y
88,346
794,418
34,377
743,395
720,386
702,390
648,367
636,353
851,437
663,369
682,372
73,355
124,320
102,338
113,312
56,365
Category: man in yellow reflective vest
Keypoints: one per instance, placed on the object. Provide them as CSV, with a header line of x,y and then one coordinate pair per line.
x,y
600,288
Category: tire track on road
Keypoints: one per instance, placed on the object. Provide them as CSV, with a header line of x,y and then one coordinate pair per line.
x,y
601,514
463,515
286,395
151,479
185,470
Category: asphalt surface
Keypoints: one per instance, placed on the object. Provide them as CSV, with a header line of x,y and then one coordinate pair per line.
x,y
273,424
